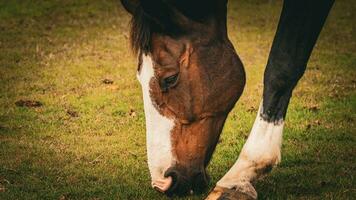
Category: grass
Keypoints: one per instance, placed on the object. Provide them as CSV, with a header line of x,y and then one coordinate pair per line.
x,y
87,141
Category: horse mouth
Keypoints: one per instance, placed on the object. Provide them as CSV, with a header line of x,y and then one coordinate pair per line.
x,y
162,185
175,184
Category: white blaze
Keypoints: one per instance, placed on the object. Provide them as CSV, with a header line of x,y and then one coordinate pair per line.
x,y
158,128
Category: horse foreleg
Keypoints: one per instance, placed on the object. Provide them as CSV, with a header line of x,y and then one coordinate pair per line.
x,y
298,29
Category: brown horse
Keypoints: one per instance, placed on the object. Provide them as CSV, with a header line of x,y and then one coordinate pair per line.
x,y
191,78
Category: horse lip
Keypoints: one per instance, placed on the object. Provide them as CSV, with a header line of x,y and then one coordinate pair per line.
x,y
162,185
174,177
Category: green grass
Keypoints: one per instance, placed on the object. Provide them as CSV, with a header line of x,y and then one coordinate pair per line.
x,y
59,51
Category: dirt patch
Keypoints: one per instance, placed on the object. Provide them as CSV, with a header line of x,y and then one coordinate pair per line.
x,y
72,113
107,81
28,103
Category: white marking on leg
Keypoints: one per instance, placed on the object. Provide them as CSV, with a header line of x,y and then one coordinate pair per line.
x,y
261,150
158,131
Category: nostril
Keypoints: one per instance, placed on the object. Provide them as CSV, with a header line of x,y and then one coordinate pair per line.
x,y
174,175
180,184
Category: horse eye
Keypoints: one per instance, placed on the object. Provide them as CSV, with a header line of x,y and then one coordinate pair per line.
x,y
171,80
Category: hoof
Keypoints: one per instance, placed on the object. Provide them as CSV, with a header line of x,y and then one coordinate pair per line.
x,y
220,193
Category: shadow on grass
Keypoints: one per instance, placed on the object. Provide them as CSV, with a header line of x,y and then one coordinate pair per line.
x,y
316,163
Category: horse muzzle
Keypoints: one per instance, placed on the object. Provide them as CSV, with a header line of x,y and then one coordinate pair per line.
x,y
179,181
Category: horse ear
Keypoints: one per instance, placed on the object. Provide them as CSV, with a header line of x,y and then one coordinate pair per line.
x,y
130,5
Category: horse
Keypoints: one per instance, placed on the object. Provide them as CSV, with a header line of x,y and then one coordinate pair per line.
x,y
191,78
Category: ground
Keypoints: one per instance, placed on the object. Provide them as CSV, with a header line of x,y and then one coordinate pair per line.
x,y
87,139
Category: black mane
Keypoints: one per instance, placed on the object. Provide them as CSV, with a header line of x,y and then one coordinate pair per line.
x,y
141,32
163,18
157,19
